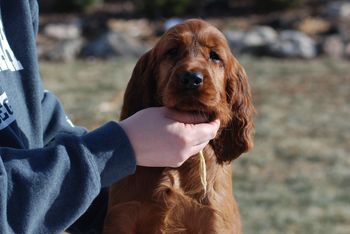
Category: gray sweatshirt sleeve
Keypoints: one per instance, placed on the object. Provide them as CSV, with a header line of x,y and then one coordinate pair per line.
x,y
59,182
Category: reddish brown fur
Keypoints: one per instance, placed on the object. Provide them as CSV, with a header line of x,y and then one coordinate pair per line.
x,y
172,200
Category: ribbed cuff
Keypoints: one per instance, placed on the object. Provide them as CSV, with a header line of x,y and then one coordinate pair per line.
x,y
112,152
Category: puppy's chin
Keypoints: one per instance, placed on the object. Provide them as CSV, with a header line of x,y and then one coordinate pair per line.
x,y
210,113
205,104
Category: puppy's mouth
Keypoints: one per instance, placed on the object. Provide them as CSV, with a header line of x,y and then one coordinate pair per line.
x,y
201,98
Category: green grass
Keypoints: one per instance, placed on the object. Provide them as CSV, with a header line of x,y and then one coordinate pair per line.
x,y
297,177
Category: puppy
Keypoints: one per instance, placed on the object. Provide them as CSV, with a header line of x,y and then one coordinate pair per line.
x,y
191,68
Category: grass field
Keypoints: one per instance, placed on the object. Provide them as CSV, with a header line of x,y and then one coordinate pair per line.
x,y
297,178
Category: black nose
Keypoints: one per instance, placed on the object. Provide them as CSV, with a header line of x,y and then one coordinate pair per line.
x,y
190,79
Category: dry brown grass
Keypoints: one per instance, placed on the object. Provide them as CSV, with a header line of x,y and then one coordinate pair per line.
x,y
297,178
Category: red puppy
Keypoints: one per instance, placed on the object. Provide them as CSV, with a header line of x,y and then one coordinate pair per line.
x,y
191,68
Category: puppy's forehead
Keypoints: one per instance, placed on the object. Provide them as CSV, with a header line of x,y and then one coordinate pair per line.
x,y
196,31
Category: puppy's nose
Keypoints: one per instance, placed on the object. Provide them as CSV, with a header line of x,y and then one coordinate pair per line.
x,y
191,79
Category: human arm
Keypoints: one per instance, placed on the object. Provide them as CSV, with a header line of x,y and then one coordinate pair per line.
x,y
45,190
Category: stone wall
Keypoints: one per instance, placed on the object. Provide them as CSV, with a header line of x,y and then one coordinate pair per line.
x,y
309,36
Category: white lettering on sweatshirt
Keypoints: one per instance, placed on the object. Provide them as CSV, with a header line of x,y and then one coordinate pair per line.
x,y
8,60
6,112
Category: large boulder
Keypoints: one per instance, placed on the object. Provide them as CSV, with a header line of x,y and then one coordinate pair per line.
x,y
293,44
253,41
260,36
235,40
112,44
314,25
339,9
63,31
347,50
65,50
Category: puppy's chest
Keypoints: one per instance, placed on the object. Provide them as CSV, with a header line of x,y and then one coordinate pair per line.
x,y
185,203
187,181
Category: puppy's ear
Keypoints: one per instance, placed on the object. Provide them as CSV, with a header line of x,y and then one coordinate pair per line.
x,y
141,89
236,136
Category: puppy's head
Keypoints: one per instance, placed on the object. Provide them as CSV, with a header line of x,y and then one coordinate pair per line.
x,y
191,68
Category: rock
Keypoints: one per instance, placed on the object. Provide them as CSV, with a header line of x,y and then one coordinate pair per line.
x,y
257,39
114,44
347,51
235,40
171,23
339,9
344,30
264,40
333,46
314,25
66,50
259,36
44,45
252,41
293,44
63,31
58,50
161,27
137,28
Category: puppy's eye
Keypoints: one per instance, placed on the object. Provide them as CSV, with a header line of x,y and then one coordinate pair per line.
x,y
214,56
172,53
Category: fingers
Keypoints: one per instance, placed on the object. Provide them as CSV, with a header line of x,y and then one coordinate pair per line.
x,y
191,151
197,137
195,149
204,132
193,128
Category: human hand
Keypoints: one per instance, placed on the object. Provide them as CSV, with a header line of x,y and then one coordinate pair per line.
x,y
162,137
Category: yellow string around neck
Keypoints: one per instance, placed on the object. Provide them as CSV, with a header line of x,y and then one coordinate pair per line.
x,y
203,171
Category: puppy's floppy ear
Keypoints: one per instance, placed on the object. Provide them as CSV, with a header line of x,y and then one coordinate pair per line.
x,y
236,137
141,89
